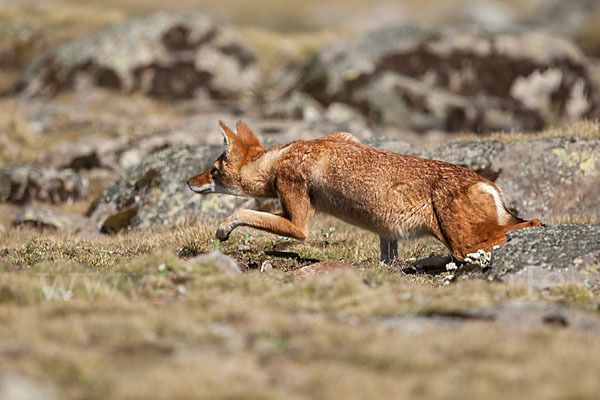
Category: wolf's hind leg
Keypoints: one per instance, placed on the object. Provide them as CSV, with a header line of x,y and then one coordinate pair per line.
x,y
388,249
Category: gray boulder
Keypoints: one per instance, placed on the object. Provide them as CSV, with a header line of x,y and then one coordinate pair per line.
x,y
551,179
22,184
297,106
155,192
119,153
577,19
399,100
168,55
550,256
426,78
54,220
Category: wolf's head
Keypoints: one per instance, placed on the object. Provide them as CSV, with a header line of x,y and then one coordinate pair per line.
x,y
224,176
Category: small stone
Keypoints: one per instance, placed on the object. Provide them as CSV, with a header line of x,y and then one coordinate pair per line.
x,y
349,319
223,262
14,386
181,290
266,266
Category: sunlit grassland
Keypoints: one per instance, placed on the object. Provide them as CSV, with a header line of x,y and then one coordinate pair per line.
x,y
125,316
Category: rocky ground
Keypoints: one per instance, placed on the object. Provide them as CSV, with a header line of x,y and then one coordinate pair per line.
x,y
109,271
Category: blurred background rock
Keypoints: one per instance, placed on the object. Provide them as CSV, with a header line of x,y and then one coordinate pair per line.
x,y
99,91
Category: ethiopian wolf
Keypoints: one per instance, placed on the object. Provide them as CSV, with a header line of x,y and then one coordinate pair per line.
x,y
396,196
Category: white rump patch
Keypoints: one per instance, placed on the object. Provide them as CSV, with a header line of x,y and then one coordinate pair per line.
x,y
503,215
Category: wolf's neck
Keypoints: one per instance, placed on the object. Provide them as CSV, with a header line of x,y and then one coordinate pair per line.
x,y
257,175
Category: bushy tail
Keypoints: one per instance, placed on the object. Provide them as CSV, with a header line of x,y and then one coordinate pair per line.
x,y
519,220
513,218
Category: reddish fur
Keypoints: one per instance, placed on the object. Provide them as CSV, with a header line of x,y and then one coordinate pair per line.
x,y
393,195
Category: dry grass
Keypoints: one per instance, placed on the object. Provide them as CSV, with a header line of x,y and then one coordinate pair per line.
x,y
135,321
586,129
125,317
18,143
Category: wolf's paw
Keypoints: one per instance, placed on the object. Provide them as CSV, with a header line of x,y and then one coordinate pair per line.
x,y
223,231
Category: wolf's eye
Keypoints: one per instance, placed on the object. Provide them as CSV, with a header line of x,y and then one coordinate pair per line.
x,y
214,172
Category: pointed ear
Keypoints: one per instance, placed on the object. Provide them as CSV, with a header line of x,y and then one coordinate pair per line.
x,y
228,137
246,134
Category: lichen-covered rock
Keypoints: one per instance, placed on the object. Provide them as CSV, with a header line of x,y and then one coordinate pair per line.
x,y
551,179
21,184
52,219
426,78
399,100
155,192
118,153
297,106
550,256
169,55
575,18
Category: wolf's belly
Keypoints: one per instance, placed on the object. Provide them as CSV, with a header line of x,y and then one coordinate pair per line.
x,y
390,216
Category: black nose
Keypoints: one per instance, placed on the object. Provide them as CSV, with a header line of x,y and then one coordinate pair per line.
x,y
188,182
